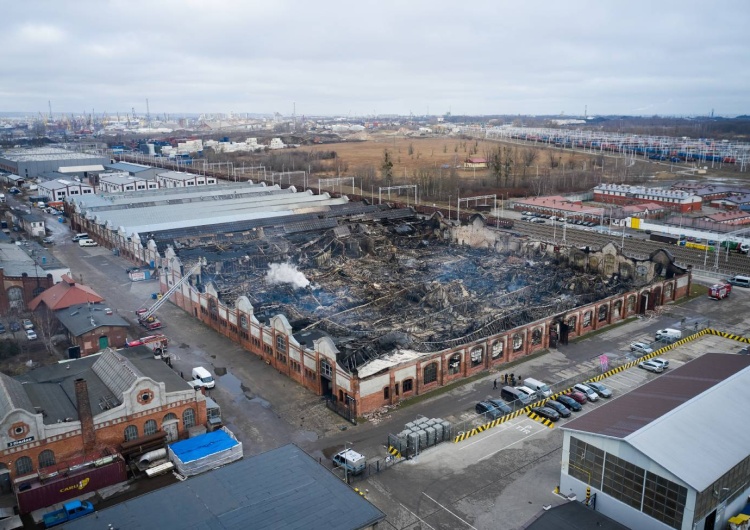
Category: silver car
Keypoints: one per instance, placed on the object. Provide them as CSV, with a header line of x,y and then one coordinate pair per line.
x,y
664,363
641,348
587,391
651,366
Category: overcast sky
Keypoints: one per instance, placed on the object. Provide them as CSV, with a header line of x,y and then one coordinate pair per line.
x,y
377,57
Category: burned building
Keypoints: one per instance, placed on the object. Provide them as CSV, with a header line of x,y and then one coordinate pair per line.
x,y
373,311
370,304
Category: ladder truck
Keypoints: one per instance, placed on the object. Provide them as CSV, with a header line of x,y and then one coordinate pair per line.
x,y
146,316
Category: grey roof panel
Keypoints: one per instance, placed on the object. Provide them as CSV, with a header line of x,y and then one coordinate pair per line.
x,y
283,488
82,318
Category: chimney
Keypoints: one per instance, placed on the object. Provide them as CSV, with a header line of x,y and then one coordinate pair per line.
x,y
85,415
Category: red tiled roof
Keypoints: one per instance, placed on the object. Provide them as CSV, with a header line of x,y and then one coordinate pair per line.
x,y
65,294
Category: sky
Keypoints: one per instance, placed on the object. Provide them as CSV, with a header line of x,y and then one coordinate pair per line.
x,y
371,57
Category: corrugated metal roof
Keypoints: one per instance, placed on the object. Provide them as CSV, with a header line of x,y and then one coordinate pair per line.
x,y
81,169
682,413
283,488
130,168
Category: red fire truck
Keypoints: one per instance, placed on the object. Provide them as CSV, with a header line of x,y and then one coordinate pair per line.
x,y
158,343
719,291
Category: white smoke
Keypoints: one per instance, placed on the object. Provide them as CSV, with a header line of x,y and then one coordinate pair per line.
x,y
286,273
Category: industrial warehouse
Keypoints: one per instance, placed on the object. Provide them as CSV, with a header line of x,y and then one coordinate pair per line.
x,y
369,304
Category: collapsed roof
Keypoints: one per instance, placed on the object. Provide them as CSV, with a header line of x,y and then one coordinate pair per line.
x,y
384,283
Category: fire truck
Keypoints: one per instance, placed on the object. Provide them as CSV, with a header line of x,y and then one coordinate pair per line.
x,y
719,291
157,343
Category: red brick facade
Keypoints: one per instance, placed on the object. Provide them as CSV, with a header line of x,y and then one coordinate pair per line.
x,y
17,292
316,368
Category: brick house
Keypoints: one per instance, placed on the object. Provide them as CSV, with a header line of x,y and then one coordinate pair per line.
x,y
84,407
21,279
93,327
64,294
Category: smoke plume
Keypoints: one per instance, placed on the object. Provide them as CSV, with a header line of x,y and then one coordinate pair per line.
x,y
286,273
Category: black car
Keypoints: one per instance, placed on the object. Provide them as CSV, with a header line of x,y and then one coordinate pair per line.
x,y
501,405
546,412
561,409
2,328
15,326
486,408
569,402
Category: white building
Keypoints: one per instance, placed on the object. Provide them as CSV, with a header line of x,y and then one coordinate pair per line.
x,y
673,453
59,189
178,179
276,143
122,182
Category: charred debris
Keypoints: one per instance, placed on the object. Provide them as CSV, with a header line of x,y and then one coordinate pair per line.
x,y
398,283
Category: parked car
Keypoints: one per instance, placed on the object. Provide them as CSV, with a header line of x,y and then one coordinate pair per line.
x,y
132,269
569,402
30,334
589,392
27,324
486,408
561,409
500,405
47,240
663,362
2,329
651,366
600,389
14,326
579,397
641,348
546,412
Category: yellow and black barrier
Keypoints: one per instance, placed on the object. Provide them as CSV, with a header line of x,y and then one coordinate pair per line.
x,y
544,421
527,410
393,451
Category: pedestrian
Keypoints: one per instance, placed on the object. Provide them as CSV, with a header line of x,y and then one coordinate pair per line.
x,y
494,383
520,381
505,381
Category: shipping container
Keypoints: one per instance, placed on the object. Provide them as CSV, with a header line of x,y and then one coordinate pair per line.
x,y
40,491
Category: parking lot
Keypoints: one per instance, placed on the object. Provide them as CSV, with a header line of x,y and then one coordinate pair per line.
x,y
501,477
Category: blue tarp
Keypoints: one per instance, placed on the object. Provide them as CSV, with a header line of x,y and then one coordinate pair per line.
x,y
204,445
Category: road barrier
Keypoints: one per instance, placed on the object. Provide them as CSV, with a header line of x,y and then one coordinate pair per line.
x,y
468,433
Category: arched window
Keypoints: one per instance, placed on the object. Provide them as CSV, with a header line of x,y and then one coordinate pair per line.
x,y
169,417
15,298
603,311
454,363
477,354
150,427
517,342
497,349
24,465
536,336
131,433
587,319
188,418
430,373
46,458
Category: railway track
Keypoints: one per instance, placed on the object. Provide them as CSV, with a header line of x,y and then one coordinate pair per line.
x,y
727,265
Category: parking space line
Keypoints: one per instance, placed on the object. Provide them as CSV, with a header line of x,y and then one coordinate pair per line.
x,y
497,430
447,510
418,517
513,443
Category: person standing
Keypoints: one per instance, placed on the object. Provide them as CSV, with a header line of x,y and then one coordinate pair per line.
x,y
494,384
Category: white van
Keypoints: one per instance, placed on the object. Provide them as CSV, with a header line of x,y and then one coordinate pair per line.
x,y
350,460
668,335
539,387
202,377
740,281
532,395
87,243
78,237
